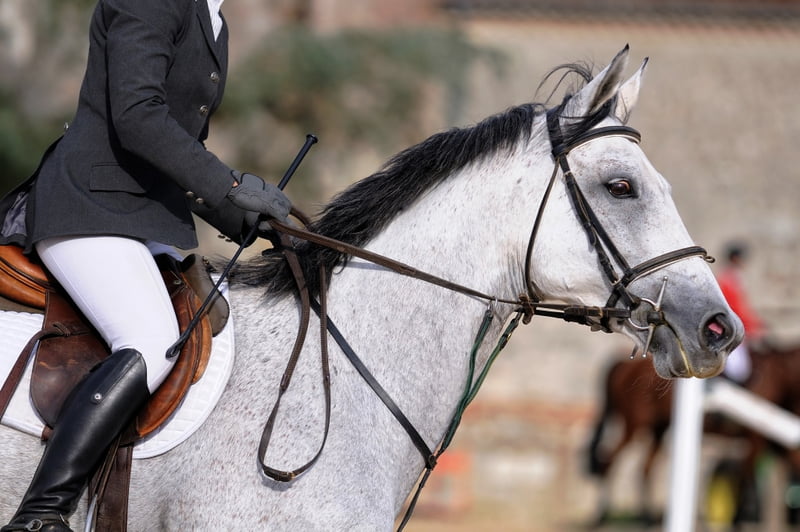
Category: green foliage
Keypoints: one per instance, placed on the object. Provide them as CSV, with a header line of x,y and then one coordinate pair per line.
x,y
359,91
21,143
352,88
27,124
302,77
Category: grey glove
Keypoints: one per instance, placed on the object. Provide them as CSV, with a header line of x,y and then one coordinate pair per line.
x,y
253,194
251,218
265,230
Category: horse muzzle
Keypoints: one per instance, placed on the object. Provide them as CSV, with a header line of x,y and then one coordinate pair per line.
x,y
701,350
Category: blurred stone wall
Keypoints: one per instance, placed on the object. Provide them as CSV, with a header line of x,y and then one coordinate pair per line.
x,y
720,119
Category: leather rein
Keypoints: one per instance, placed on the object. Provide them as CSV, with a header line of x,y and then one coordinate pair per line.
x,y
527,304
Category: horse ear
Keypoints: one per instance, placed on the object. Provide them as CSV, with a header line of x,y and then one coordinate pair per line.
x,y
600,90
629,94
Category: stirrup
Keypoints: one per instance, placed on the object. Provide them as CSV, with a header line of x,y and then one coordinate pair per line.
x,y
38,523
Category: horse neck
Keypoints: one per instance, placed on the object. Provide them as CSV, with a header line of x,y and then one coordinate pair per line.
x,y
472,229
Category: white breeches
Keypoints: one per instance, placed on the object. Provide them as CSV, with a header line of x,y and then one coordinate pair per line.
x,y
115,282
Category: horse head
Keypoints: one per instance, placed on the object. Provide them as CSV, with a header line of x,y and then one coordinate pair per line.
x,y
606,234
626,245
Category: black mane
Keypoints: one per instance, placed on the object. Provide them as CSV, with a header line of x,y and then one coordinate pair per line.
x,y
364,209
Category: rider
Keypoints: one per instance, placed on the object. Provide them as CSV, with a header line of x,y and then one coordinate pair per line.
x,y
739,364
120,184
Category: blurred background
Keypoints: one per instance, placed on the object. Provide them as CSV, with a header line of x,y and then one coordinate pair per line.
x,y
720,119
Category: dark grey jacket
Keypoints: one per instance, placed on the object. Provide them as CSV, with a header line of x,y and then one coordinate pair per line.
x,y
132,162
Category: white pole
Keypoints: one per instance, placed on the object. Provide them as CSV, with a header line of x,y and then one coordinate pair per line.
x,y
754,412
684,478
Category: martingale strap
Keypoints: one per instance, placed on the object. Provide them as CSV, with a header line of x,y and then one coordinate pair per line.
x,y
419,442
527,305
471,388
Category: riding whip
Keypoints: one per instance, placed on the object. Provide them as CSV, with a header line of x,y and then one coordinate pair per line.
x,y
175,348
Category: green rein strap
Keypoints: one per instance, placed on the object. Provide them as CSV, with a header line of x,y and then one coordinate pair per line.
x,y
470,391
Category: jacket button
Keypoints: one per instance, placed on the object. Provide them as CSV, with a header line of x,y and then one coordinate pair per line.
x,y
215,77
190,194
199,201
203,110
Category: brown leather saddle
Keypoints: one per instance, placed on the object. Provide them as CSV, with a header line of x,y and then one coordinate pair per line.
x,y
68,347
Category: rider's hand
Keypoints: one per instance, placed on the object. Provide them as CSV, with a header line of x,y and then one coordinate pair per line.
x,y
251,193
252,218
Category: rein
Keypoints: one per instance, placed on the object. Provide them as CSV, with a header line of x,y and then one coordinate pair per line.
x,y
326,325
528,304
430,457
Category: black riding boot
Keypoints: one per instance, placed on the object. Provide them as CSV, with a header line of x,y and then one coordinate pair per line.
x,y
93,415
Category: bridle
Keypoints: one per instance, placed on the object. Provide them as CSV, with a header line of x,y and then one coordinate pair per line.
x,y
527,304
607,252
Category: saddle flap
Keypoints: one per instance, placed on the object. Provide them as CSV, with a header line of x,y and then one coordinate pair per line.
x,y
192,359
196,273
22,280
62,361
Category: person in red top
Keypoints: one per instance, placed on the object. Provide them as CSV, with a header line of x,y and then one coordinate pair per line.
x,y
739,361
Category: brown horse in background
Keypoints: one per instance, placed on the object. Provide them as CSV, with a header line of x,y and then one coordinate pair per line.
x,y
642,401
776,377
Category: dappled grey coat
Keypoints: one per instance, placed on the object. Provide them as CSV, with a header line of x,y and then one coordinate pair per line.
x,y
132,161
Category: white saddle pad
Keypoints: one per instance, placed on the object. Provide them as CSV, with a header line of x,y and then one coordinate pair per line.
x,y
18,327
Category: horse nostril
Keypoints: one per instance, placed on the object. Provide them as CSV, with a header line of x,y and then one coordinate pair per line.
x,y
716,332
716,329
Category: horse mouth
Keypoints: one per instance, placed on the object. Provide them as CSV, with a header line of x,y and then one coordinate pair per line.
x,y
681,366
717,336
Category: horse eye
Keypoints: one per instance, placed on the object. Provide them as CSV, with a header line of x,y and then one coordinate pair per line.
x,y
620,188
